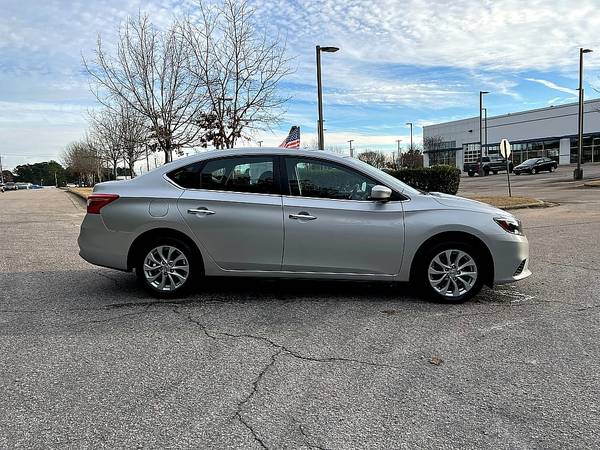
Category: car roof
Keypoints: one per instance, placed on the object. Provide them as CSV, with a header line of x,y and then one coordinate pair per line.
x,y
243,151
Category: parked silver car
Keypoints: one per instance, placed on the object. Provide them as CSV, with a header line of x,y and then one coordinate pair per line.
x,y
272,212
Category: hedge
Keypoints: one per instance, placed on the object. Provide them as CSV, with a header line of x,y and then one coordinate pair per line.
x,y
431,179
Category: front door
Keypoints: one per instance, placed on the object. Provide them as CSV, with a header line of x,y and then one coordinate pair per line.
x,y
235,211
331,225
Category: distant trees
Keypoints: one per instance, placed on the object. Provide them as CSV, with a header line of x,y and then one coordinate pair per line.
x,y
43,173
374,158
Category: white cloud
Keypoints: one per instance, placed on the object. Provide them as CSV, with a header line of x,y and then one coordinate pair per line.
x,y
552,85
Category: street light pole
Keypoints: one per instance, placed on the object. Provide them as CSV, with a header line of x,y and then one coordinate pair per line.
x,y
411,134
578,174
481,94
351,149
320,49
485,127
399,153
260,143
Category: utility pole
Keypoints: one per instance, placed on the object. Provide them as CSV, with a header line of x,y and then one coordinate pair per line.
x,y
398,141
1,174
147,160
351,149
411,134
260,143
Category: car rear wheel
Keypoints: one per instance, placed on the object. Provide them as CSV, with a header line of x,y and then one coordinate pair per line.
x,y
451,272
471,174
495,172
534,171
166,267
551,169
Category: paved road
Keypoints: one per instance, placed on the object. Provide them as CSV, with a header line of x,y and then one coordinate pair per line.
x,y
89,360
553,187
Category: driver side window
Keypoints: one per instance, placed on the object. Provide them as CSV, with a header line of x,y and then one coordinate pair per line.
x,y
322,179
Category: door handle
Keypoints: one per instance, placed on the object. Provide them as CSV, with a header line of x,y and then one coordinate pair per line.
x,y
302,216
201,211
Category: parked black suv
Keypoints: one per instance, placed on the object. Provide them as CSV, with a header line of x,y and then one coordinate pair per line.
x,y
489,164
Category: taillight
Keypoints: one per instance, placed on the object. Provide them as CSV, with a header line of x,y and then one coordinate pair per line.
x,y
96,202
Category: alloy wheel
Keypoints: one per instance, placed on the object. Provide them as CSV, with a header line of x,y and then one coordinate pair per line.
x,y
452,273
166,268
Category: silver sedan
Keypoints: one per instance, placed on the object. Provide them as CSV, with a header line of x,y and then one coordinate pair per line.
x,y
296,214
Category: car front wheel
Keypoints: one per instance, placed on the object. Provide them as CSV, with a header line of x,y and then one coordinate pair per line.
x,y
451,272
166,267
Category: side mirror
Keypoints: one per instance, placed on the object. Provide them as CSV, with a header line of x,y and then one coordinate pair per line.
x,y
381,193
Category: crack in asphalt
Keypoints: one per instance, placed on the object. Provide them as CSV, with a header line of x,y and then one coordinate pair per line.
x,y
246,400
279,349
308,440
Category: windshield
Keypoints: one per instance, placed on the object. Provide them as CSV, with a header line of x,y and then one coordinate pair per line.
x,y
387,178
530,161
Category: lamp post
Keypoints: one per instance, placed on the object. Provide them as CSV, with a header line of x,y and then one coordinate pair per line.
x,y
260,143
578,173
485,129
320,49
351,149
481,94
411,134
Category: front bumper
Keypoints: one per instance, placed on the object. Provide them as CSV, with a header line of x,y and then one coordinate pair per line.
x,y
511,260
100,246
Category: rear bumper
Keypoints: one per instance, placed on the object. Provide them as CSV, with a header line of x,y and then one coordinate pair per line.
x,y
100,246
511,260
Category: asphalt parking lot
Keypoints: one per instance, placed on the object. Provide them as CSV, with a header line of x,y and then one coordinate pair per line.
x,y
88,360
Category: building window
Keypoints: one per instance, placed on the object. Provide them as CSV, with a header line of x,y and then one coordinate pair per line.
x,y
471,153
590,151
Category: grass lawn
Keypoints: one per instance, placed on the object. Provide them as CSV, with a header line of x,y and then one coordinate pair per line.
x,y
83,192
506,202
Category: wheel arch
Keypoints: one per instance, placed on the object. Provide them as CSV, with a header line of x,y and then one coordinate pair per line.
x,y
458,236
148,236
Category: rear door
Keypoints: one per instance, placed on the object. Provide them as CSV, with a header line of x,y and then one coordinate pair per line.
x,y
331,225
234,208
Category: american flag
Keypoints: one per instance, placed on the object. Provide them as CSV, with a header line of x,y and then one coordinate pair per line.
x,y
293,139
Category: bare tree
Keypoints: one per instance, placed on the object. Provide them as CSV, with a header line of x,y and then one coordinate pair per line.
x,y
83,160
105,131
376,159
240,68
149,72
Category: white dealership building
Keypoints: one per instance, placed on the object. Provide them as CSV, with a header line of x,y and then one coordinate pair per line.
x,y
548,132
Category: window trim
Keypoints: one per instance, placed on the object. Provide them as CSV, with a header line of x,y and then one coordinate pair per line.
x,y
285,186
203,163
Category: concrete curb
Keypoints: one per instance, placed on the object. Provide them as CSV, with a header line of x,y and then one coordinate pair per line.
x,y
79,195
592,184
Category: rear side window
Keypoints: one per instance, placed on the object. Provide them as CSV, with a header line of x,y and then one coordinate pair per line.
x,y
187,177
253,174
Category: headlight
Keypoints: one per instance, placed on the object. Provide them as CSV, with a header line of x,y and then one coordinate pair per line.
x,y
512,226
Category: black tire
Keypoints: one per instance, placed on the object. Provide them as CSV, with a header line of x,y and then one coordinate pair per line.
x,y
551,169
193,263
486,171
534,171
471,174
495,172
421,276
517,173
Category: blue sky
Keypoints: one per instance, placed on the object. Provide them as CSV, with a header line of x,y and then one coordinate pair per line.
x,y
400,61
